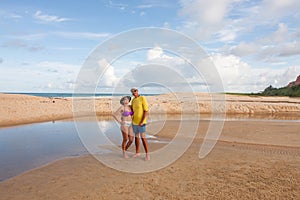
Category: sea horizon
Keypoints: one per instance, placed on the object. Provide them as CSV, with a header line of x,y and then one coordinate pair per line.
x,y
71,94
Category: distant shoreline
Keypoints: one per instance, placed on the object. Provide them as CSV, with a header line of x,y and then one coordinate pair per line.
x,y
70,94
19,109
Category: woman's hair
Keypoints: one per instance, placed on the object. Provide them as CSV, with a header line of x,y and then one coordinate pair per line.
x,y
125,97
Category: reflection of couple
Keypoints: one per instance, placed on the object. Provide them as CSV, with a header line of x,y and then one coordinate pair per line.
x,y
133,120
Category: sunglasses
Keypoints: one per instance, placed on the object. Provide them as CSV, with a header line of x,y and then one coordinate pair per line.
x,y
134,91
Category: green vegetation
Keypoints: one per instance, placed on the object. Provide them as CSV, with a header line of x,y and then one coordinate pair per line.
x,y
236,93
271,91
284,91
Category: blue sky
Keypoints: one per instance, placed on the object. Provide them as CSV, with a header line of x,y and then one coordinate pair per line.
x,y
43,44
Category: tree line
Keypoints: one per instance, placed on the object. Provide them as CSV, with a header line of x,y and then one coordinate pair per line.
x,y
293,91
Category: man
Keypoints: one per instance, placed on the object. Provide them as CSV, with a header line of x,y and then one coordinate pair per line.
x,y
140,108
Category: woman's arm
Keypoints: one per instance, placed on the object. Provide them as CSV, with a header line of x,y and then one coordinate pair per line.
x,y
117,113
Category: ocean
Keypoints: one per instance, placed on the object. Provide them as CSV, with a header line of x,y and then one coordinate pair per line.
x,y
62,95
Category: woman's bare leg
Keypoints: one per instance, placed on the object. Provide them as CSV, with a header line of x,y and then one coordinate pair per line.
x,y
125,138
129,142
130,135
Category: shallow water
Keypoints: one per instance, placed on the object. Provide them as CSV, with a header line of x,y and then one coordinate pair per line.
x,y
29,146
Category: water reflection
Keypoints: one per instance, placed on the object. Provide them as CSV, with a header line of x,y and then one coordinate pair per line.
x,y
28,146
265,117
228,117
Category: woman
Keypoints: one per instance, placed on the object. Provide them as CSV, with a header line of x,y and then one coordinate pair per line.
x,y
124,117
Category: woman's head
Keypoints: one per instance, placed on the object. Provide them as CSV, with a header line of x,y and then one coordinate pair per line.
x,y
125,100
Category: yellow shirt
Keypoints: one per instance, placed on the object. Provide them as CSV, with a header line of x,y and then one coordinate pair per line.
x,y
139,105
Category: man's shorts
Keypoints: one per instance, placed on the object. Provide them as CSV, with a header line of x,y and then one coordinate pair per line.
x,y
139,129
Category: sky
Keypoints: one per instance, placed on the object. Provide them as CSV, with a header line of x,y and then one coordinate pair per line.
x,y
44,44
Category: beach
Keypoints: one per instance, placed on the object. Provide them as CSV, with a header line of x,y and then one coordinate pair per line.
x,y
21,109
256,157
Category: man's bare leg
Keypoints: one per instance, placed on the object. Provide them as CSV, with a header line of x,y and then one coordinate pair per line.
x,y
145,144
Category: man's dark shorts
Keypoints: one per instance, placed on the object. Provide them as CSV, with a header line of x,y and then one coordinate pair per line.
x,y
139,129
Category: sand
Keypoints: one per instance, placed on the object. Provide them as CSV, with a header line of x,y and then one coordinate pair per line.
x,y
253,159
20,109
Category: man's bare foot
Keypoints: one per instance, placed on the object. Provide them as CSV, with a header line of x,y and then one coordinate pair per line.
x,y
136,155
147,157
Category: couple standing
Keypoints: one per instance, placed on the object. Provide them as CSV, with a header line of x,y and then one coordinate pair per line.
x,y
133,120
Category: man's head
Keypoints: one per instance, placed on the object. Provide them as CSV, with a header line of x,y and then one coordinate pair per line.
x,y
134,91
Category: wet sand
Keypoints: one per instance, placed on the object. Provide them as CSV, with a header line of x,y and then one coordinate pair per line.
x,y
252,160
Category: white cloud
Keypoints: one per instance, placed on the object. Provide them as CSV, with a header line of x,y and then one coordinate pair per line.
x,y
144,6
227,35
21,44
278,52
117,5
281,35
67,35
59,76
238,21
238,76
108,78
159,69
49,18
81,35
163,70
157,55
35,36
271,9
9,15
272,47
58,66
291,48
166,25
245,49
205,18
154,53
264,14
207,12
44,76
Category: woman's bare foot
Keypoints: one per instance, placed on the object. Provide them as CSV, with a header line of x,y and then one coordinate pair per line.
x,y
147,157
125,154
136,155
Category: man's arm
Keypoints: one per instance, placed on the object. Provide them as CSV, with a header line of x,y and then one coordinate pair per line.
x,y
145,108
145,115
